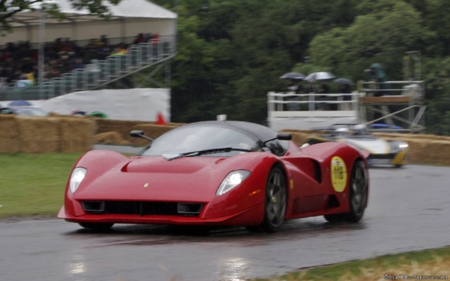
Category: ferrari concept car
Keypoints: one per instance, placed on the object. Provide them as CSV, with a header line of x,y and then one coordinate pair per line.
x,y
218,173
382,152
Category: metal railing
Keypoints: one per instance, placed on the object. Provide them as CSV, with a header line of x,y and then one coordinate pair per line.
x,y
415,89
400,101
97,73
312,104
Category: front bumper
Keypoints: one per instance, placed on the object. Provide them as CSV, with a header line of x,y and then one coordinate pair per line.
x,y
249,217
399,158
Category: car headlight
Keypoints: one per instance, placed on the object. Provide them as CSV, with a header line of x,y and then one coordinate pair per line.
x,y
76,178
232,180
403,145
398,146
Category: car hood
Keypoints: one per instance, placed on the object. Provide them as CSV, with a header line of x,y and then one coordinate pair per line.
x,y
371,145
186,179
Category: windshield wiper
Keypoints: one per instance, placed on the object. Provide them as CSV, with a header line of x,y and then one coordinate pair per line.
x,y
204,151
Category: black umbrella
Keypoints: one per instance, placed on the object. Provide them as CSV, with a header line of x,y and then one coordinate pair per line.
x,y
344,81
293,76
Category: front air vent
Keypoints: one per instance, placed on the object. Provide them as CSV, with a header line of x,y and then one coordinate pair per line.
x,y
189,209
95,207
142,208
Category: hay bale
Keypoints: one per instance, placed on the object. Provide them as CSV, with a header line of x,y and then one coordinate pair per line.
x,y
123,127
38,134
9,134
110,138
412,136
423,149
299,137
151,130
8,126
76,134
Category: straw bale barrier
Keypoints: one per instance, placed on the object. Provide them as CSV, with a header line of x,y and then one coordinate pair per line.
x,y
123,127
76,134
426,149
54,134
38,134
9,134
423,149
110,138
412,136
299,137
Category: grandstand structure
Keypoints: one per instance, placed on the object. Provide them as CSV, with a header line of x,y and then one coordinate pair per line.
x,y
143,65
103,74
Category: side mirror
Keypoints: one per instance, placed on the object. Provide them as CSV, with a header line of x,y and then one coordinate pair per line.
x,y
284,136
140,134
136,133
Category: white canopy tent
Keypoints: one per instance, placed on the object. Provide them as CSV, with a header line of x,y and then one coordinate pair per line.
x,y
129,18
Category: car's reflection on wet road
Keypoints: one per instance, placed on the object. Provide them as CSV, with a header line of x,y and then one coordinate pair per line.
x,y
408,210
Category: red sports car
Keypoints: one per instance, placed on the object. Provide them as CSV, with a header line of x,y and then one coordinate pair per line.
x,y
218,173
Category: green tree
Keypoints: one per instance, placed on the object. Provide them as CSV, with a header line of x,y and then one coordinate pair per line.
x,y
383,36
11,7
435,16
248,46
232,52
437,76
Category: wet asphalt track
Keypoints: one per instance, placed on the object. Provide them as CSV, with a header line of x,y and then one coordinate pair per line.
x,y
409,209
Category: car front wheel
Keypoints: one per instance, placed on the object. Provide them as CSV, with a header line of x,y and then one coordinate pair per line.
x,y
275,201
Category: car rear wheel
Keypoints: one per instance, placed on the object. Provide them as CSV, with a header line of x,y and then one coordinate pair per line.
x,y
275,201
96,226
358,196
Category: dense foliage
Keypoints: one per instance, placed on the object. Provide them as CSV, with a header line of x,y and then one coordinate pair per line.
x,y
231,53
8,8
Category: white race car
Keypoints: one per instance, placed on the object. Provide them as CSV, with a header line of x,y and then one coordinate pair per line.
x,y
382,151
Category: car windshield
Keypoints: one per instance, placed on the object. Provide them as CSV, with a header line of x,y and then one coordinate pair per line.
x,y
211,140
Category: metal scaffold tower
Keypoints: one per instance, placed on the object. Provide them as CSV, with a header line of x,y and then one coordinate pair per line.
x,y
398,104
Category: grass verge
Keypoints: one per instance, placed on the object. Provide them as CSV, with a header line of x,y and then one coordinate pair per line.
x,y
33,184
422,265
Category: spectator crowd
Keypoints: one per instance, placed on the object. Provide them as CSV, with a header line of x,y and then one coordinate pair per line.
x,y
19,62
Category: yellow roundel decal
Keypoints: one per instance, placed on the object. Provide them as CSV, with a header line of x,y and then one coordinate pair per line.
x,y
338,173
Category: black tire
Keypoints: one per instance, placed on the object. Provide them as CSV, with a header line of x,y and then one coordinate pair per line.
x,y
358,196
96,226
275,201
